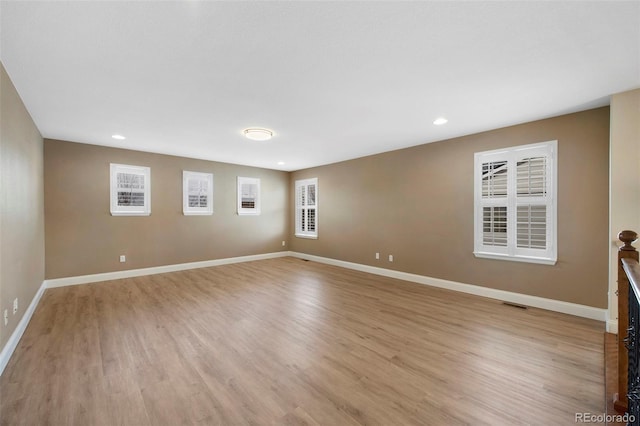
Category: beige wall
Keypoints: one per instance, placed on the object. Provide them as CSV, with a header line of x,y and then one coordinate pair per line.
x,y
21,205
83,238
417,204
624,181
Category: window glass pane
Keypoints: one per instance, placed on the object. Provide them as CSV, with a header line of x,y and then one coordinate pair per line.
x,y
130,189
531,177
311,195
532,226
198,190
494,179
494,226
249,196
311,223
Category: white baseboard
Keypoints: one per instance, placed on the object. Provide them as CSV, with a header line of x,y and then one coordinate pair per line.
x,y
15,337
523,299
13,341
507,296
107,276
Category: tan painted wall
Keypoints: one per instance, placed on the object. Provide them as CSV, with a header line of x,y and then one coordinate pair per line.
x,y
625,180
83,238
417,204
21,205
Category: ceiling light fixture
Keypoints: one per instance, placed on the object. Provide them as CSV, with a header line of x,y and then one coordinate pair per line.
x,y
258,134
440,121
118,137
281,163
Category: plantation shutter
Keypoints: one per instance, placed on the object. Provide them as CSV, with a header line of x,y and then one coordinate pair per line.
x,y
494,203
515,207
533,202
248,196
130,190
197,193
306,208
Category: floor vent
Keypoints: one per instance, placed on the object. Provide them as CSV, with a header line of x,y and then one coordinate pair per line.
x,y
514,305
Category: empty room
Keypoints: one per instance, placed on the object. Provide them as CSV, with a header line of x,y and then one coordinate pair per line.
x,y
319,212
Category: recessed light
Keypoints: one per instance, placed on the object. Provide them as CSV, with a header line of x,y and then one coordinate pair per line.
x,y
118,137
258,134
281,163
440,121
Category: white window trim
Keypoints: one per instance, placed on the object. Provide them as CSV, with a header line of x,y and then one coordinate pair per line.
x,y
117,210
243,211
298,232
511,252
196,211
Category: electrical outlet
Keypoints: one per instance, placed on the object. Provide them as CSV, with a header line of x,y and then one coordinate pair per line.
x,y
390,258
6,316
15,305
123,258
377,256
284,243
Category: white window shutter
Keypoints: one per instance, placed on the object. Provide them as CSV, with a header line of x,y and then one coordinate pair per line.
x,y
515,203
130,190
306,221
248,196
197,193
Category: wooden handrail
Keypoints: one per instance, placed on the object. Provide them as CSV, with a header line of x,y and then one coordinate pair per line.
x,y
632,270
626,251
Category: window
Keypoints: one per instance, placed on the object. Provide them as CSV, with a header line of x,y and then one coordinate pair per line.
x,y
130,190
515,203
248,196
307,208
197,193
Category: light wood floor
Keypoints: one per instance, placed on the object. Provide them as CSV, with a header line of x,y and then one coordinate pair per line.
x,y
285,341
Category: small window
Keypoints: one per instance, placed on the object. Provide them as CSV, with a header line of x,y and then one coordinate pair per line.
x,y
248,196
197,193
515,203
307,208
130,190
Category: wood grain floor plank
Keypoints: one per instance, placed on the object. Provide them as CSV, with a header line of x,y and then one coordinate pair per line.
x,y
288,342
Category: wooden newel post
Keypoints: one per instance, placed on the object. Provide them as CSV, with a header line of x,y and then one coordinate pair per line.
x,y
626,251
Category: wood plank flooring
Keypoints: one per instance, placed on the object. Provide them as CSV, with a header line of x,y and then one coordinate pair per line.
x,y
284,341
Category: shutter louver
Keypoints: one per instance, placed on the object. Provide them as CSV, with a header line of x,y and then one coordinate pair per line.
x,y
130,189
515,203
197,193
494,179
532,226
248,196
494,226
306,208
531,177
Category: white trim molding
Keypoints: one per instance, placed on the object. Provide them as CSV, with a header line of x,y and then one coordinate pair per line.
x,y
15,337
523,299
129,273
612,326
507,296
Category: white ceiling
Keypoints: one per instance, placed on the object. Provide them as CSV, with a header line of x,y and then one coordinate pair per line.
x,y
334,80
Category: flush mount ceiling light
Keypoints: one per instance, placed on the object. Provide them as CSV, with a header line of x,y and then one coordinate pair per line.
x,y
118,137
440,121
281,163
258,134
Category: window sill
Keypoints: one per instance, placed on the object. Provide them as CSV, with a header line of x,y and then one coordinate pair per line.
x,y
526,259
130,213
309,237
